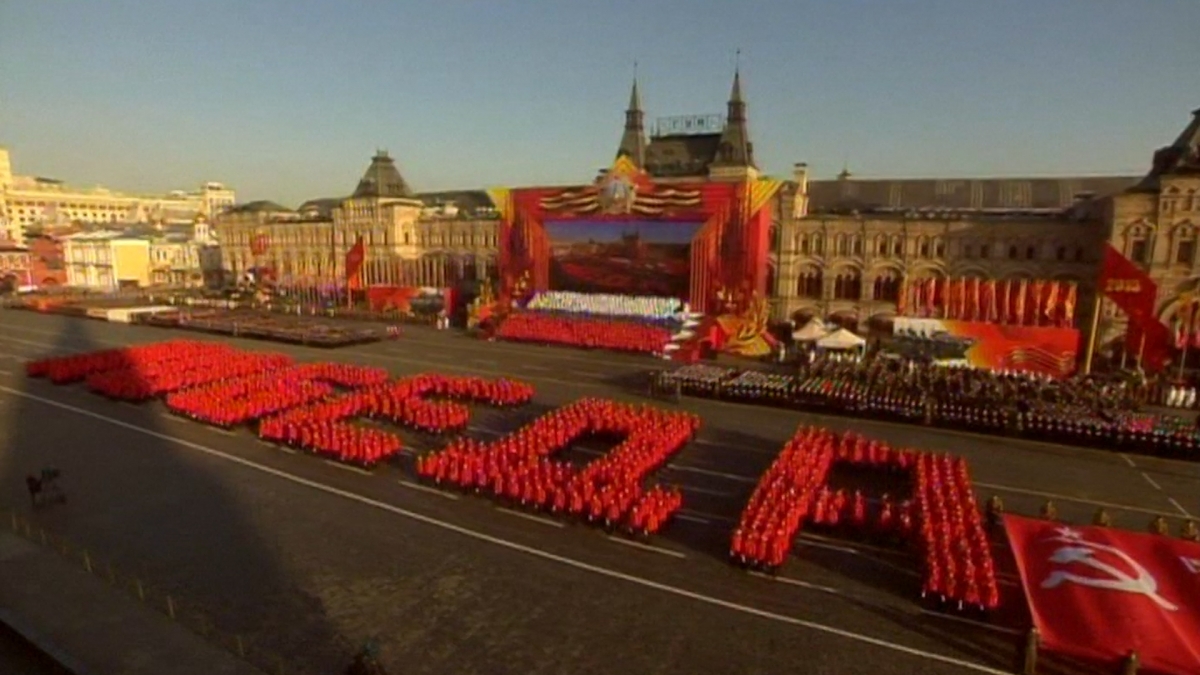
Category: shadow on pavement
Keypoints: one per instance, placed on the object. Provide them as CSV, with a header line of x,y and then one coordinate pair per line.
x,y
161,520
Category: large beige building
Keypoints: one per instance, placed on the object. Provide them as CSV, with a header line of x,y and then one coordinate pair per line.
x,y
27,201
106,260
434,239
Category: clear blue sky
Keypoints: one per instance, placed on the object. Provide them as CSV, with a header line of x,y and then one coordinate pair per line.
x,y
288,99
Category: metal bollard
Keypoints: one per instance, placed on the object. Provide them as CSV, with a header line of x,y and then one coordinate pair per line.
x,y
1131,664
141,591
170,607
87,561
1030,655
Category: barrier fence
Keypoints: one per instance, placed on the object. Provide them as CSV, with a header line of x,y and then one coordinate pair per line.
x,y
176,607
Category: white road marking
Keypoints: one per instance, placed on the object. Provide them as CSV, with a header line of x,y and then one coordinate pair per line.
x,y
514,546
732,446
346,467
1069,498
530,516
173,418
717,474
1128,460
527,366
425,488
1179,506
831,547
971,622
796,582
709,516
860,547
5,373
692,519
645,547
219,430
1151,481
704,491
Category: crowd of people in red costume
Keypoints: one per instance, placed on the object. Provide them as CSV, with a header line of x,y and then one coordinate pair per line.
x,y
217,384
520,469
584,331
77,367
231,402
942,520
324,429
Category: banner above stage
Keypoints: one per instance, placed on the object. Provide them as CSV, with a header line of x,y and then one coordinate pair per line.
x,y
1099,593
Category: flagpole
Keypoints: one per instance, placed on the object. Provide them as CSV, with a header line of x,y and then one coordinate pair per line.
x,y
1183,358
1141,349
1091,346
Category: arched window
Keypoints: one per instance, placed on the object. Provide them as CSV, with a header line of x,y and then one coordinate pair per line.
x,y
1060,253
804,245
809,284
841,247
817,245
856,245
847,285
898,246
881,245
923,249
939,248
886,287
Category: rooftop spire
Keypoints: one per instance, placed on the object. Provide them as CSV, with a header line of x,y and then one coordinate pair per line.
x,y
633,140
735,148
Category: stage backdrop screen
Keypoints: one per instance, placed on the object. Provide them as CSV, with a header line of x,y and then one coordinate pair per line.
x,y
635,257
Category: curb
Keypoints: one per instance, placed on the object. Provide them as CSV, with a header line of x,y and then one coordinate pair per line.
x,y
31,636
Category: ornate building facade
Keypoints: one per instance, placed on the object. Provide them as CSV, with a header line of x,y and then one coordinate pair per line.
x,y
409,239
32,201
1155,223
843,248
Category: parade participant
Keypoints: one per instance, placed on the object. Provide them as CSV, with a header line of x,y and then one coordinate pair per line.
x,y
1189,532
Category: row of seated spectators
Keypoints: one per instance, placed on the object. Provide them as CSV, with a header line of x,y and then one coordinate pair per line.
x,y
628,323
651,309
1094,411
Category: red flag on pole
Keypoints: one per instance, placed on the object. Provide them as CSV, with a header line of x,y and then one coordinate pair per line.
x,y
1052,301
354,264
1068,317
1194,329
1098,593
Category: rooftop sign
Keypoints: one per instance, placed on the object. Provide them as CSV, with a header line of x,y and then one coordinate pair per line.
x,y
687,125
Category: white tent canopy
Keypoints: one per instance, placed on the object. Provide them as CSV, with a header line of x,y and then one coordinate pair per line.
x,y
810,332
841,339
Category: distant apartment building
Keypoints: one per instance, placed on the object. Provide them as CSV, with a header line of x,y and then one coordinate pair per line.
x,y
32,201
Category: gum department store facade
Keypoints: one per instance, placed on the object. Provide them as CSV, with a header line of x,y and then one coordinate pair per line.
x,y
840,249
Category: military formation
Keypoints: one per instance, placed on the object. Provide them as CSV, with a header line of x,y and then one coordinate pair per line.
x,y
1104,412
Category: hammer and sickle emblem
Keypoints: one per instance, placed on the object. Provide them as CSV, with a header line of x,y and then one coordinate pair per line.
x,y
1082,552
1192,564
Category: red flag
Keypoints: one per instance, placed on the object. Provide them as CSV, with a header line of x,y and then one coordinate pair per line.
x,y
976,307
1005,302
1051,300
1068,317
1128,285
990,288
930,295
354,264
902,297
1098,593
1194,312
